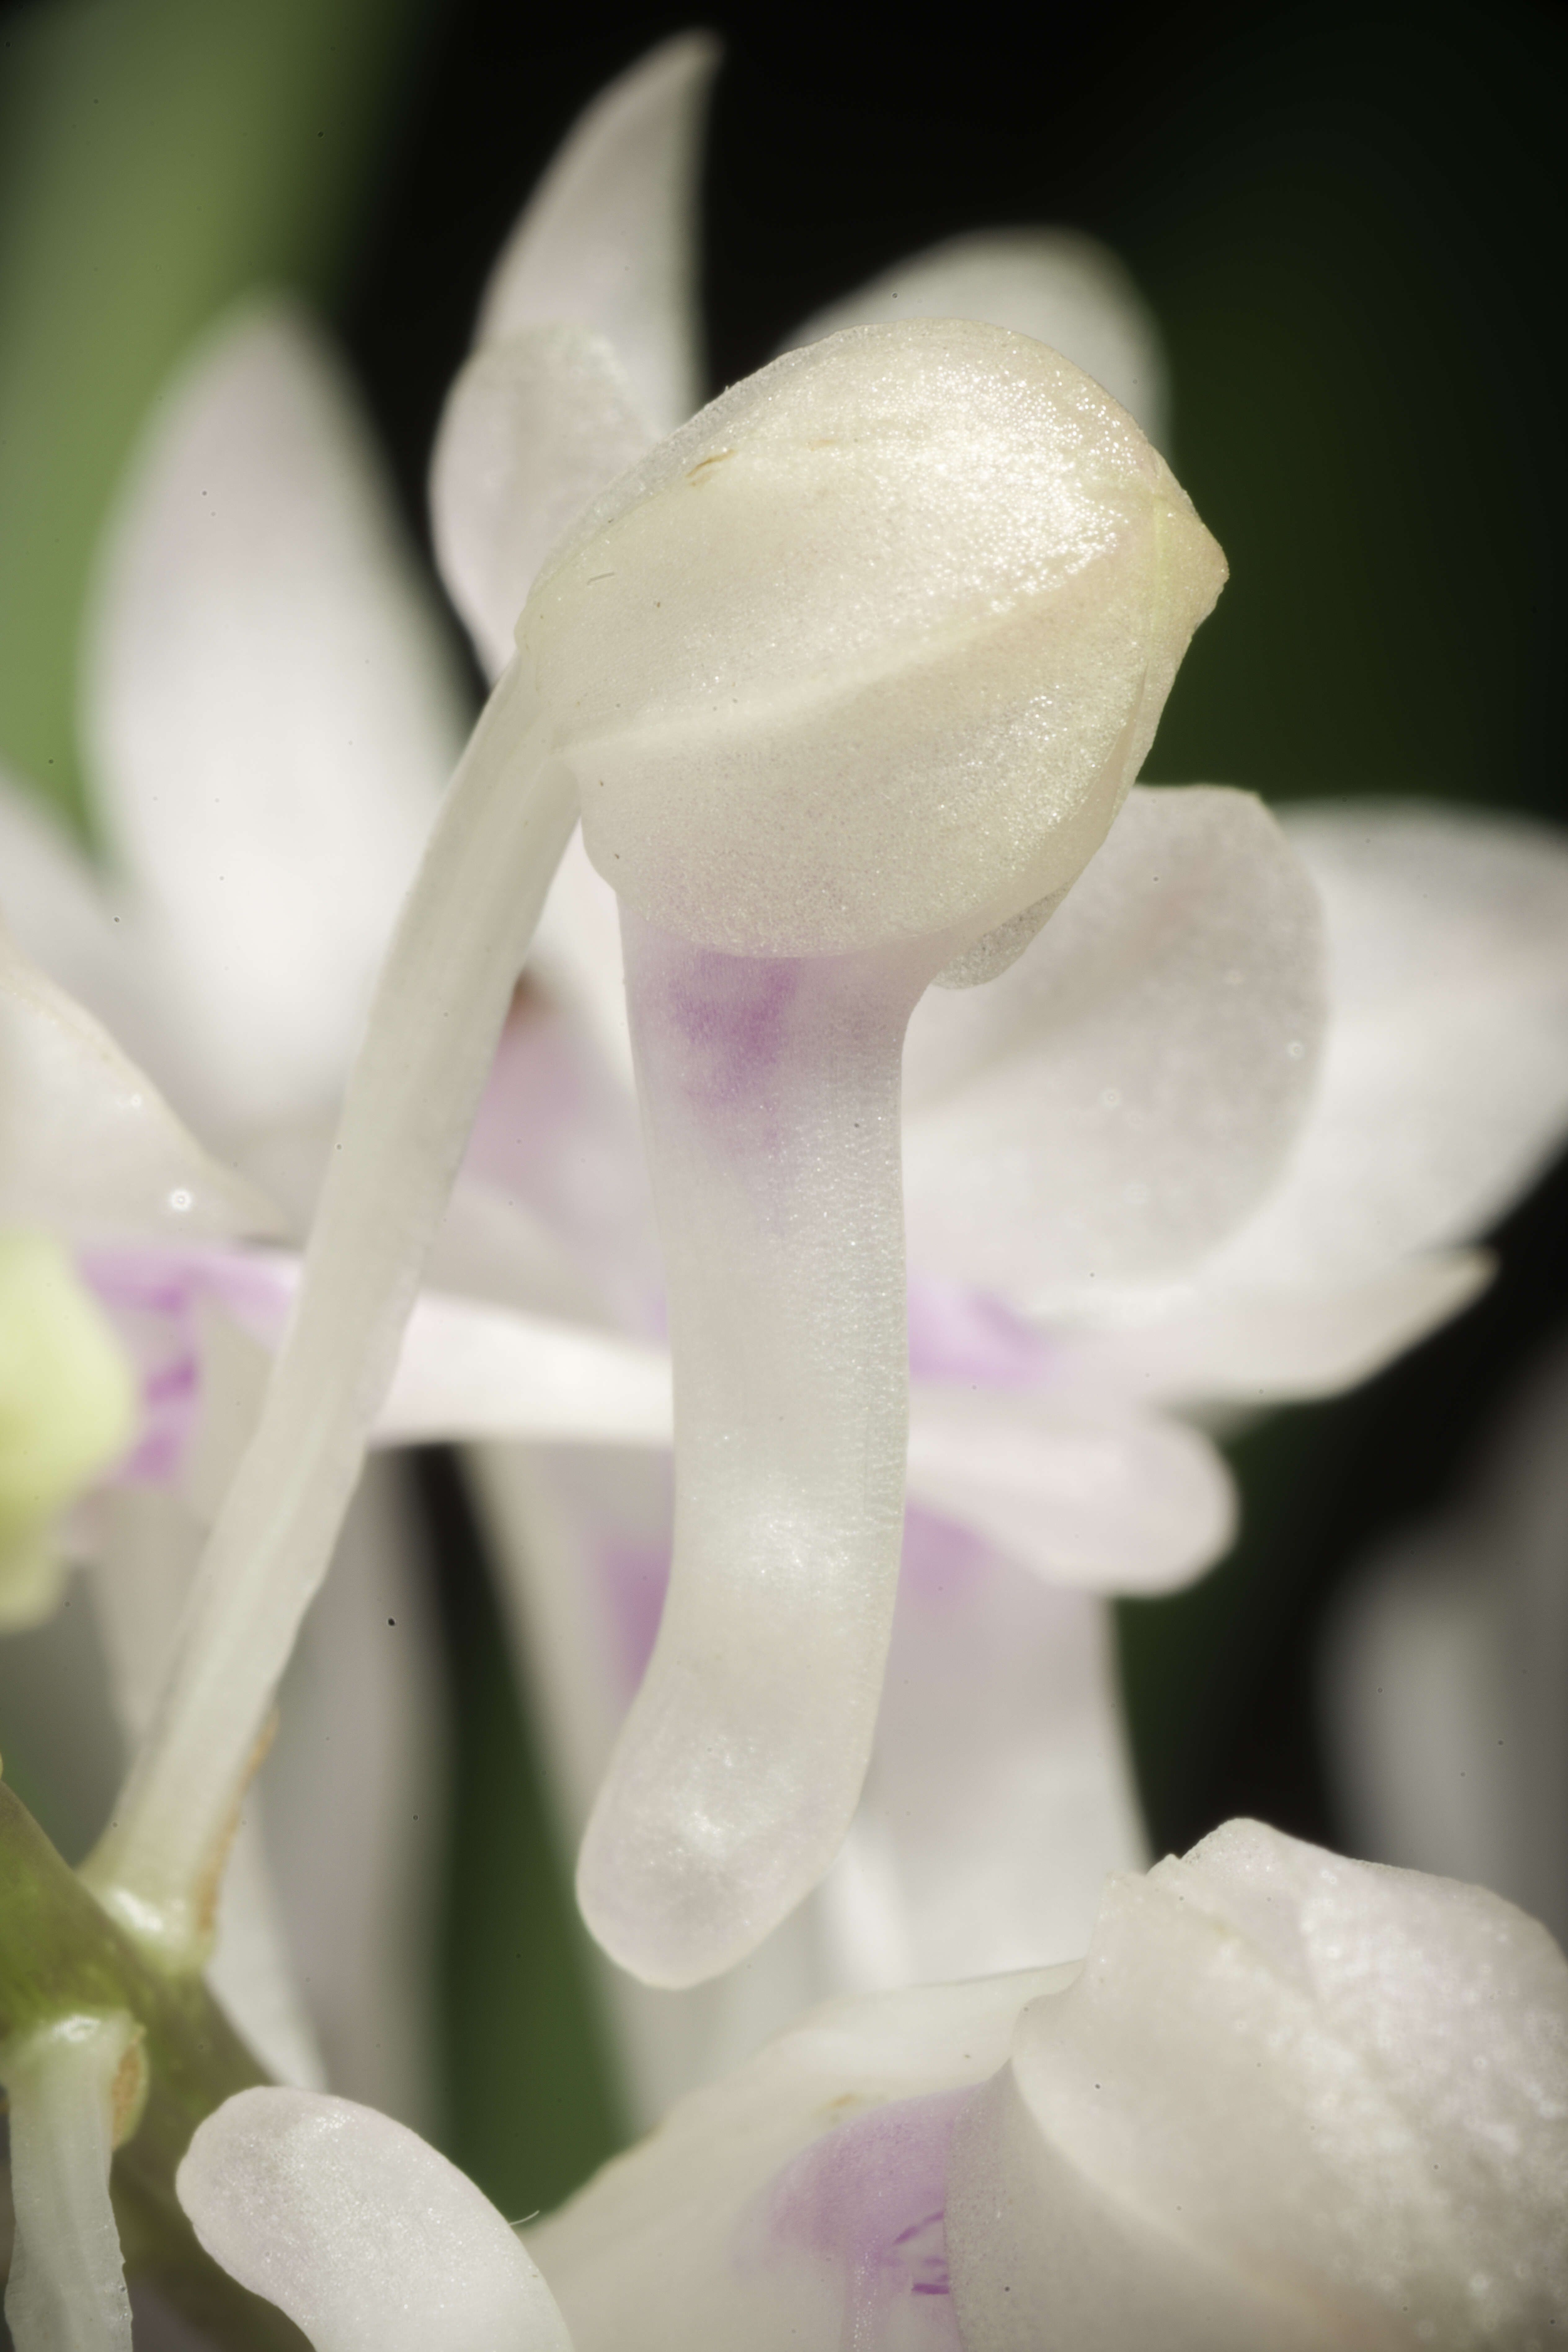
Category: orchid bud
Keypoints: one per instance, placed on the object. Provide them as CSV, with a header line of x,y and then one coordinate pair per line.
x,y
1290,2100
872,648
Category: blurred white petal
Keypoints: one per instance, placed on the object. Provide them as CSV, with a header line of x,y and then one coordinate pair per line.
x,y
534,426
1445,1088
609,239
1119,1100
1205,1344
1000,1783
1065,288
270,708
249,1973
468,1371
368,2238
86,1145
1104,1499
1446,1679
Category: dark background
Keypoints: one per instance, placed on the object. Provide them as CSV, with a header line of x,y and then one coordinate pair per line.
x,y
1351,222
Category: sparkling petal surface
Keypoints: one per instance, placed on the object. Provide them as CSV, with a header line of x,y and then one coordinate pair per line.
x,y
363,2234
1064,289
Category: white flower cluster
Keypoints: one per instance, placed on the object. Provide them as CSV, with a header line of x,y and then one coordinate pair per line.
x,y
1002,1121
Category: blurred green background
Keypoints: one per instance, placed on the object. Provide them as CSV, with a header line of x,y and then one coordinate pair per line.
x,y
1352,224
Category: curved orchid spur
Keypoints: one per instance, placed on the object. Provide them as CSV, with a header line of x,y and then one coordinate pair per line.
x,y
1285,2099
957,715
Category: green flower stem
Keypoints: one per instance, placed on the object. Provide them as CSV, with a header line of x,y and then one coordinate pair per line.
x,y
59,1952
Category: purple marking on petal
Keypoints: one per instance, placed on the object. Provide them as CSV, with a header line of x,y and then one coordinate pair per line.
x,y
152,1298
966,1336
868,2202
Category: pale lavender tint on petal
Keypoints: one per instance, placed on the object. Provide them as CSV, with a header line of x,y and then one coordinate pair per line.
x,y
944,1563
869,2202
958,1333
556,1131
153,1298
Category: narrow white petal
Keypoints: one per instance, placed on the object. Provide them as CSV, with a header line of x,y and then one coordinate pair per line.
x,y
535,425
1120,1098
1065,288
363,2234
608,240
471,1371
87,1143
1445,1090
270,708
1087,1496
67,2289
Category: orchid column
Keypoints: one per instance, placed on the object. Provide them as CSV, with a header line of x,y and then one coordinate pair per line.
x,y
849,678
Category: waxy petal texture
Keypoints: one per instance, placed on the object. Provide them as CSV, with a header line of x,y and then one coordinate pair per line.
x,y
363,2235
1067,291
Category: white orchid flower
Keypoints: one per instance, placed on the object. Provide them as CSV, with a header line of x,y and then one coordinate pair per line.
x,y
1169,1177
1443,1687
1285,2099
761,954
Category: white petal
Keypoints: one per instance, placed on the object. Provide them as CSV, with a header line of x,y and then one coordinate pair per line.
x,y
535,424
1065,288
86,1145
363,2235
1119,1099
271,712
608,240
1207,1343
468,1371
1000,1781
1445,1088
250,1974
663,2250
1100,1498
